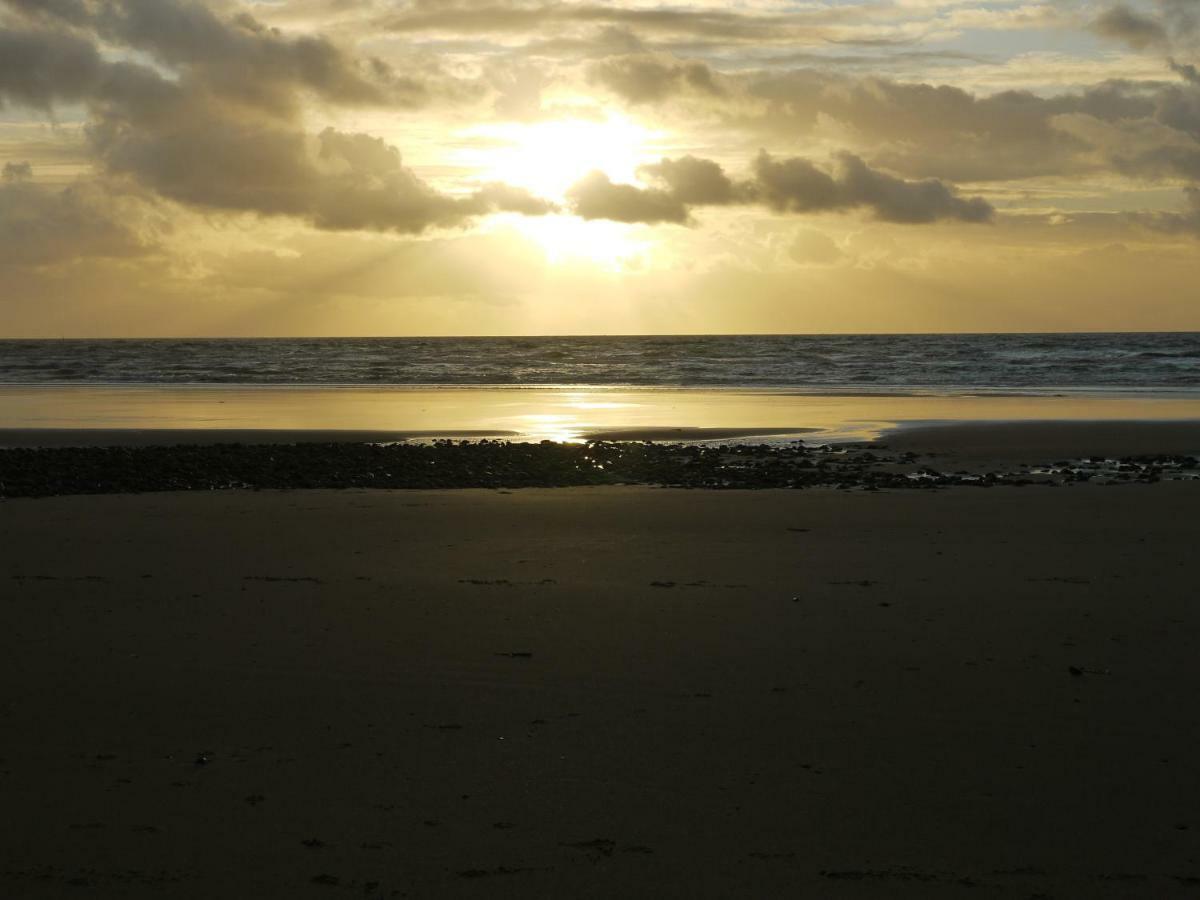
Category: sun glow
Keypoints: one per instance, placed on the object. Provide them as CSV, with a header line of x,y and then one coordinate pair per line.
x,y
566,241
548,157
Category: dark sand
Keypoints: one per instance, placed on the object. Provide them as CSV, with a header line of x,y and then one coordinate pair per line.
x,y
602,692
1048,441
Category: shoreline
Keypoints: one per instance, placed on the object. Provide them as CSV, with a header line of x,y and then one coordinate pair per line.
x,y
818,390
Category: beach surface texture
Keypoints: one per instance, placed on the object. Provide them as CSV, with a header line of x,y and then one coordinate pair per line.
x,y
609,691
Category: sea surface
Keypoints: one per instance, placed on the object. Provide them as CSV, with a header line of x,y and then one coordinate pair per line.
x,y
1027,363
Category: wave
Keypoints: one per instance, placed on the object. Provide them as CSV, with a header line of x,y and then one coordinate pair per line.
x,y
804,362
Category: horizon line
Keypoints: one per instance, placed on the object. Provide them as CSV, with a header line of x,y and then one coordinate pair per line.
x,y
612,335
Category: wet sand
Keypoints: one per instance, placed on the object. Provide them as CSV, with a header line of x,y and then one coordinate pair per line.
x,y
601,692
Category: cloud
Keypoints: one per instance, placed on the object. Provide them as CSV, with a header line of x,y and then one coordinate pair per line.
x,y
1187,72
1182,19
643,78
924,130
1162,144
206,105
499,197
591,43
1184,223
712,25
699,182
794,185
913,128
239,51
223,129
595,196
17,171
498,16
1175,26
211,156
39,67
1146,149
1122,23
41,226
810,247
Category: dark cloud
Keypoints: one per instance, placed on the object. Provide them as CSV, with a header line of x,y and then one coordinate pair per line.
x,y
596,197
1175,25
922,130
919,129
238,51
697,182
1122,23
74,11
1182,18
796,185
1185,71
41,226
500,197
642,78
223,130
1175,117
793,185
39,67
201,154
16,171
893,199
1164,161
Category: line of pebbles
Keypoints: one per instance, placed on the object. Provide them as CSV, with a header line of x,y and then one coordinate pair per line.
x,y
42,472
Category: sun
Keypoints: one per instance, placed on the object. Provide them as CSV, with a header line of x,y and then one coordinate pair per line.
x,y
548,157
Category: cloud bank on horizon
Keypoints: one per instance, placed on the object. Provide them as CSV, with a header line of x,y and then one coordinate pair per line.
x,y
308,166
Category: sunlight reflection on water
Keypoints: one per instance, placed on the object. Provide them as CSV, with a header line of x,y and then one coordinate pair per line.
x,y
559,414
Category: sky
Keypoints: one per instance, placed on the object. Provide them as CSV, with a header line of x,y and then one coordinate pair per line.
x,y
425,167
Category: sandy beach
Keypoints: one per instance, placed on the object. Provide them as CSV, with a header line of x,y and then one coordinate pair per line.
x,y
601,692
573,450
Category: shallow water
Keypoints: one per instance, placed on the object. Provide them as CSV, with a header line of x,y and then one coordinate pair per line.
x,y
563,414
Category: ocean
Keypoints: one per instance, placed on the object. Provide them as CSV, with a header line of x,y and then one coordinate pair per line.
x,y
1165,363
